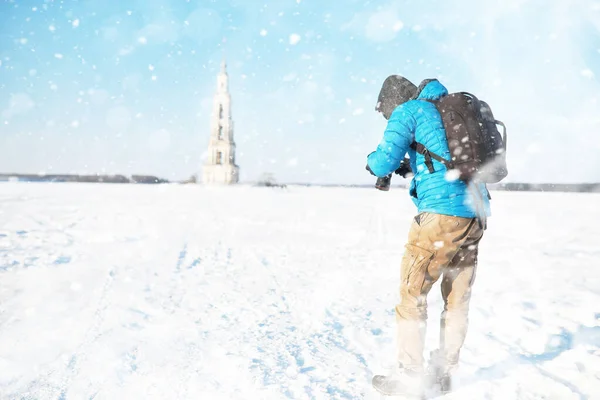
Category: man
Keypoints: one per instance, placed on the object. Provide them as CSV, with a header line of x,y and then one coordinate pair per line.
x,y
443,238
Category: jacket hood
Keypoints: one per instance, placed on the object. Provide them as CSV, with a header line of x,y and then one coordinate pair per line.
x,y
395,90
430,89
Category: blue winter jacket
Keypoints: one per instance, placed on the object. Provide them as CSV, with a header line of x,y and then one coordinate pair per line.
x,y
431,192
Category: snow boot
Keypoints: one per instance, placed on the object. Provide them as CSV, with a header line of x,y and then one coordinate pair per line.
x,y
438,377
401,382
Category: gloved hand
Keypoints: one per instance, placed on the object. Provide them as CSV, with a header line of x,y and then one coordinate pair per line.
x,y
404,168
369,169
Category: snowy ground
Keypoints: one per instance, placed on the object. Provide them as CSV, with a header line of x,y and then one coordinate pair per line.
x,y
184,292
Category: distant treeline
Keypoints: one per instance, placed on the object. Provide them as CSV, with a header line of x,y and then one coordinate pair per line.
x,y
81,178
149,179
512,187
548,187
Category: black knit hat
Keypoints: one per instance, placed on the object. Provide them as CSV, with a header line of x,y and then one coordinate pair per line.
x,y
394,91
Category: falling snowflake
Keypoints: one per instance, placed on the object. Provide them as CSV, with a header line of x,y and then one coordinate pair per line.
x,y
75,286
75,23
397,26
452,175
587,73
294,39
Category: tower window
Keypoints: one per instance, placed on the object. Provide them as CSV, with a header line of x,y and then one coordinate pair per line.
x,y
219,158
220,111
220,132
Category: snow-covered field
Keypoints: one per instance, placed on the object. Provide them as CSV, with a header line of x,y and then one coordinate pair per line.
x,y
185,292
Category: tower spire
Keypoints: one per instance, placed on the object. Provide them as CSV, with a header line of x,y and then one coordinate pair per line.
x,y
223,58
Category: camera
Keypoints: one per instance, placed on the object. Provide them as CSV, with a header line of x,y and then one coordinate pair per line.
x,y
403,170
383,184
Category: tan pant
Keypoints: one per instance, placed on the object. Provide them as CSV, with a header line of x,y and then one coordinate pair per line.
x,y
437,245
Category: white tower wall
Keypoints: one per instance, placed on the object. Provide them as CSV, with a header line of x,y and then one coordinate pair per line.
x,y
220,167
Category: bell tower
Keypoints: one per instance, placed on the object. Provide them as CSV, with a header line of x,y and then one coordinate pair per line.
x,y
220,167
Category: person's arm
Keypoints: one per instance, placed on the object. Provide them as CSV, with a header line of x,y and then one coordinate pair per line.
x,y
398,135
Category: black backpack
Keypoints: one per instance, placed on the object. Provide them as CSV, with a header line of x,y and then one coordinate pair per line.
x,y
477,149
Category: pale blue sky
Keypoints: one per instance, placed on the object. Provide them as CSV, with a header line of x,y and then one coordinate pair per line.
x,y
126,86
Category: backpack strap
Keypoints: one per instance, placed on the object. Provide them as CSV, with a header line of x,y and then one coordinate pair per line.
x,y
421,149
